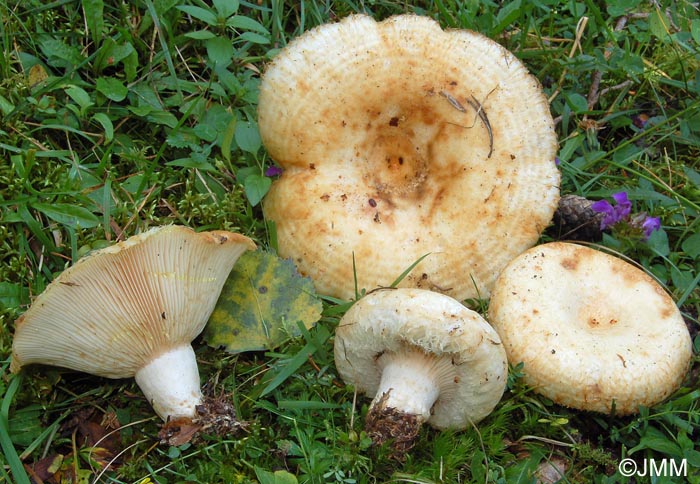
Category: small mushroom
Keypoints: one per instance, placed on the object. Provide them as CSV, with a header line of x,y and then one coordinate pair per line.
x,y
593,331
132,310
399,139
423,357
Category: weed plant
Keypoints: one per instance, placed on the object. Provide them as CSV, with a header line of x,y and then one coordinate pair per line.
x,y
117,116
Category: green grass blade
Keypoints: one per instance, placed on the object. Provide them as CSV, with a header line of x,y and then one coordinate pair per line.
x,y
689,290
164,45
295,362
403,275
8,448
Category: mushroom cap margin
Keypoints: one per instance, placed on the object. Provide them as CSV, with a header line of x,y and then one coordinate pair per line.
x,y
119,307
395,319
351,110
590,328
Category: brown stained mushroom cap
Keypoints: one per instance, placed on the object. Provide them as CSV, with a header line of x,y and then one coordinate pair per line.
x,y
121,307
399,139
592,330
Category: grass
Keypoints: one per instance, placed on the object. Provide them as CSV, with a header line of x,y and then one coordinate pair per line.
x,y
117,116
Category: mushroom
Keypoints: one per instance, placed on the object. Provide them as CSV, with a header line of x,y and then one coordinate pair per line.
x,y
133,309
593,331
397,140
423,357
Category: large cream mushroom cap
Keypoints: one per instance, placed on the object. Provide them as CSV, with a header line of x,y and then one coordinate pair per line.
x,y
593,331
399,139
447,364
120,309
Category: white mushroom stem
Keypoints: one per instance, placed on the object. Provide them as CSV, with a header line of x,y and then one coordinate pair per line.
x,y
170,382
412,381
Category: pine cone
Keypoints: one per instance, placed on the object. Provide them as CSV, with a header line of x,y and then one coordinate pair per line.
x,y
574,219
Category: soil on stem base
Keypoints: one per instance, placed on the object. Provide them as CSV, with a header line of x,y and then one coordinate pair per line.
x,y
386,424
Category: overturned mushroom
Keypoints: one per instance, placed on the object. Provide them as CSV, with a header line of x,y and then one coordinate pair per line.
x,y
423,357
593,331
131,310
399,139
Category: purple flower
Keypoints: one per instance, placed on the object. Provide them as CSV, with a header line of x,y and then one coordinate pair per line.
x,y
604,207
649,225
273,170
557,161
613,214
624,206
